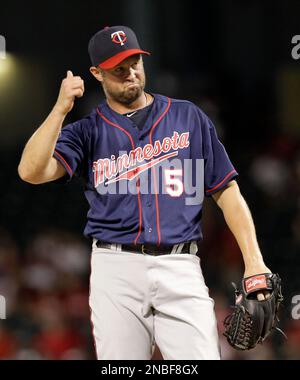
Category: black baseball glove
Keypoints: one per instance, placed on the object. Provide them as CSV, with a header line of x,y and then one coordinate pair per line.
x,y
252,320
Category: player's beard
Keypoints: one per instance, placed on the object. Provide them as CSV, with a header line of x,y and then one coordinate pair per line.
x,y
128,95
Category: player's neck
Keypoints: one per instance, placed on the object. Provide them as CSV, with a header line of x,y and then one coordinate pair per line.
x,y
143,101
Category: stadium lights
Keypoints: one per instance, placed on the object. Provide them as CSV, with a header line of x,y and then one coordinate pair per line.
x,y
7,66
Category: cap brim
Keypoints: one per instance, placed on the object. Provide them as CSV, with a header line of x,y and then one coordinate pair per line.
x,y
116,59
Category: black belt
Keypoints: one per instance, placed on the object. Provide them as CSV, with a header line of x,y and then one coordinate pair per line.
x,y
149,249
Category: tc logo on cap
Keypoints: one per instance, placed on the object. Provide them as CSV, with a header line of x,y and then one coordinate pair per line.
x,y
119,37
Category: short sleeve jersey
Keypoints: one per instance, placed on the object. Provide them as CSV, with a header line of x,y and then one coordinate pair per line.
x,y
146,185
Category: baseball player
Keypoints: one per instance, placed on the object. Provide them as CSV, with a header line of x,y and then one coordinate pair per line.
x,y
147,161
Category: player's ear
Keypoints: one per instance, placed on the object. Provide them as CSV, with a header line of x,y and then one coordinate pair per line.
x,y
96,73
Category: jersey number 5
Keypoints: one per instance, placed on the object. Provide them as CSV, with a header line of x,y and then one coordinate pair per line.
x,y
173,181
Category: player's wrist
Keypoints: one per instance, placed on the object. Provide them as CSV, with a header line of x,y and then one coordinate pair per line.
x,y
256,269
59,111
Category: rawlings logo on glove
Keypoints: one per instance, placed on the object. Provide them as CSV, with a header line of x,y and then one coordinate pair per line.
x,y
255,283
253,320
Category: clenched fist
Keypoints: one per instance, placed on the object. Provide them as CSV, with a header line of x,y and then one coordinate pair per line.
x,y
71,87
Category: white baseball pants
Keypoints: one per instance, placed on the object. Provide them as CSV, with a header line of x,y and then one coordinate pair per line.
x,y
138,299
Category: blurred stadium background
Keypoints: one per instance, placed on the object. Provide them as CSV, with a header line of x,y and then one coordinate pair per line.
x,y
234,60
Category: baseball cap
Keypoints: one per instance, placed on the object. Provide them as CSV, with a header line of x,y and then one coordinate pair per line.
x,y
111,45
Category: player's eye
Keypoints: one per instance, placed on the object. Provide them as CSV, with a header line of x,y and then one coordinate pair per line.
x,y
119,70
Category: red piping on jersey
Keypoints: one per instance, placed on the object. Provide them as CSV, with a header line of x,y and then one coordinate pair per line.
x,y
140,211
138,187
220,183
154,172
65,162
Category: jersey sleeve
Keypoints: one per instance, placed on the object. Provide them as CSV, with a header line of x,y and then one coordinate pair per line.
x,y
69,149
218,169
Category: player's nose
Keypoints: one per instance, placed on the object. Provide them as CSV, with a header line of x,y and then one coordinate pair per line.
x,y
131,74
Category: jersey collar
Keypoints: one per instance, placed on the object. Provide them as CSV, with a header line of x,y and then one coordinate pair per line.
x,y
158,106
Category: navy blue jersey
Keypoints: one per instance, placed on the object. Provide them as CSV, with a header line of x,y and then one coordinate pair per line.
x,y
146,185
